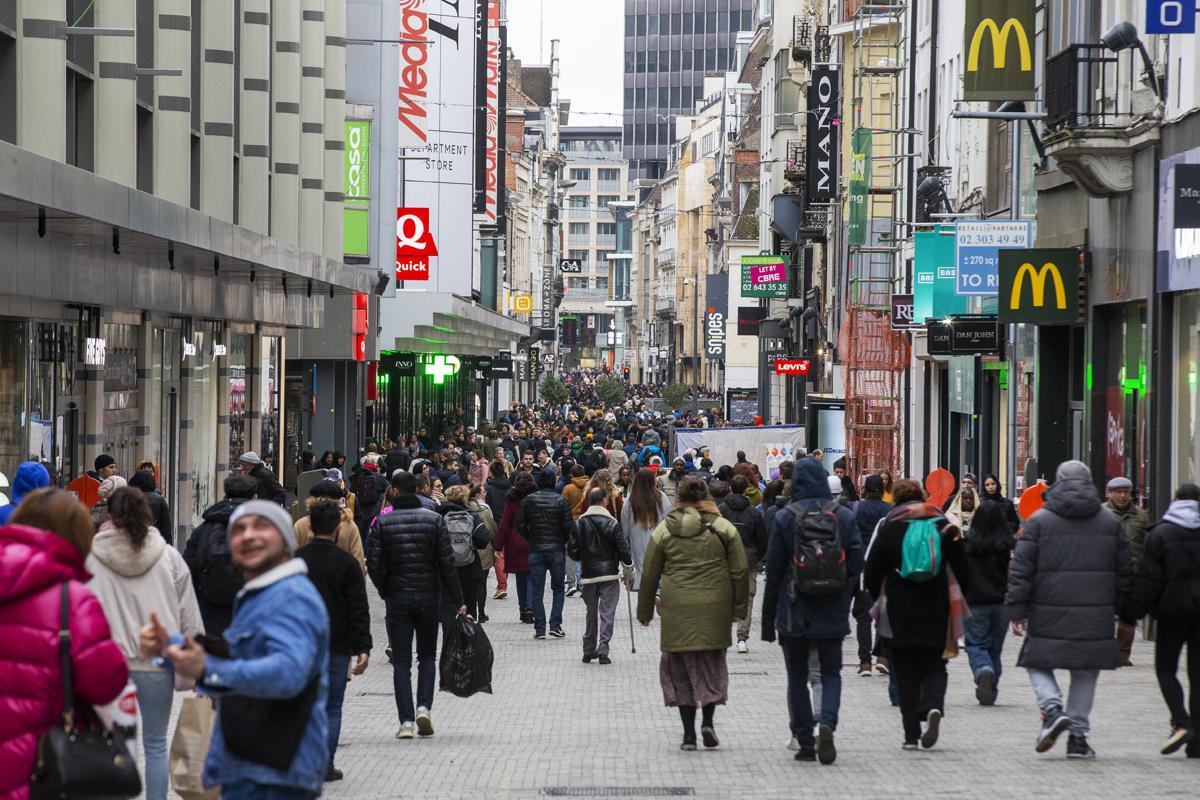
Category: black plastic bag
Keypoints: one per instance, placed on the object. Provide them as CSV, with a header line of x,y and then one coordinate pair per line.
x,y
466,663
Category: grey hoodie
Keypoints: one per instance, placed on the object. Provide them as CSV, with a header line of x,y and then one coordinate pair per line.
x,y
1184,513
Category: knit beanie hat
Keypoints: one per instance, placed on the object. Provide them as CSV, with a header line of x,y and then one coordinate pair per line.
x,y
272,513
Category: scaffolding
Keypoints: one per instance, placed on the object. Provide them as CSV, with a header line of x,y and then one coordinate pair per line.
x,y
876,356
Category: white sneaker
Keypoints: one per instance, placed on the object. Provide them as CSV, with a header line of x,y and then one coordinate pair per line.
x,y
424,722
742,647
406,731
794,744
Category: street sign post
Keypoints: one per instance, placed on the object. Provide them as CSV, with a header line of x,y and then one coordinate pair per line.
x,y
977,253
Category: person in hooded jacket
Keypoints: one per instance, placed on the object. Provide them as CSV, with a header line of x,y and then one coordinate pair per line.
x,y
348,537
919,612
42,549
512,546
160,512
989,550
869,512
991,489
496,489
774,498
215,579
753,532
136,572
810,622
1168,588
30,477
1069,576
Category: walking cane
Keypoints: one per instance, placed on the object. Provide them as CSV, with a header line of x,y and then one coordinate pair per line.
x,y
629,605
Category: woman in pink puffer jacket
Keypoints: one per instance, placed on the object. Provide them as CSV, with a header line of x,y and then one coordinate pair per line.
x,y
33,565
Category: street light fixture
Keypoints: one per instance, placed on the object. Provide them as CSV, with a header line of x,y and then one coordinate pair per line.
x,y
1123,36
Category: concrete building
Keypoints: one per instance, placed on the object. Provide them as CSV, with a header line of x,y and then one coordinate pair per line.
x,y
154,188
670,46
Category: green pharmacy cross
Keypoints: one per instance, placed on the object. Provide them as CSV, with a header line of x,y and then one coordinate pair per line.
x,y
442,367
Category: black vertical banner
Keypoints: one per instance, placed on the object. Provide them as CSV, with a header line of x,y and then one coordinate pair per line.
x,y
822,145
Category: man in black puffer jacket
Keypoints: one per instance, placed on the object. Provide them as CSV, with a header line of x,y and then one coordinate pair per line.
x,y
602,550
410,562
1168,588
545,521
1069,576
753,530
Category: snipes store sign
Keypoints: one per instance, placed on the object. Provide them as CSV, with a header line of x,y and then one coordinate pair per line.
x,y
998,42
1040,286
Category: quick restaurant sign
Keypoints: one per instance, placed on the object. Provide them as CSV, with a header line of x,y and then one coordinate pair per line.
x,y
998,43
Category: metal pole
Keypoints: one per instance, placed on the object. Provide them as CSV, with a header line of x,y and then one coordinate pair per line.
x,y
1013,363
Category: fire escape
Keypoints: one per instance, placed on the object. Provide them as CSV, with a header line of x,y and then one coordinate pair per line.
x,y
874,355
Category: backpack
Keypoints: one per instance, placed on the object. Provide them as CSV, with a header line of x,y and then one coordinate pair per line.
x,y
921,551
592,460
220,581
460,525
366,489
818,560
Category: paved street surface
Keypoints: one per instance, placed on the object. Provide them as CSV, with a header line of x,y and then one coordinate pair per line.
x,y
558,728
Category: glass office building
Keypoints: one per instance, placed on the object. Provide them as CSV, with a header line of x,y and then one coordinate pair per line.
x,y
670,45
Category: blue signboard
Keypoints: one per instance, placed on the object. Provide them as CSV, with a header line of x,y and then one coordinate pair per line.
x,y
977,253
1171,16
933,276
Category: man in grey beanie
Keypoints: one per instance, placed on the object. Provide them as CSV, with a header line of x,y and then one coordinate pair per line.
x,y
1070,574
272,666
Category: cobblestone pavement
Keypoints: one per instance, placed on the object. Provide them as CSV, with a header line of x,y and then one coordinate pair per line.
x,y
558,728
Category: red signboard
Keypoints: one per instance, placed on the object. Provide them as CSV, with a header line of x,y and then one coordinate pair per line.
x,y
492,112
414,244
359,326
792,366
1114,433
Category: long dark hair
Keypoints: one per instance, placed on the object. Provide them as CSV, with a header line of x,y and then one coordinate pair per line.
x,y
129,511
989,529
645,501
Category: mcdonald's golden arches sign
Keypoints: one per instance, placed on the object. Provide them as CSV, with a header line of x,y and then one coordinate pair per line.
x,y
1040,286
998,43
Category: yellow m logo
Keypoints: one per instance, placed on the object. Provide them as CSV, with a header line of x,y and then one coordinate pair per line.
x,y
1037,279
999,44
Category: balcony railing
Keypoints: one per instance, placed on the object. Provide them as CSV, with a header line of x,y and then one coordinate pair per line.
x,y
802,38
1089,86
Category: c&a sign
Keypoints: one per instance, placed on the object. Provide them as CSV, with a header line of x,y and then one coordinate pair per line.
x,y
998,42
1040,286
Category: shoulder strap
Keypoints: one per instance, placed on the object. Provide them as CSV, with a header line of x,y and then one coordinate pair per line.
x,y
64,654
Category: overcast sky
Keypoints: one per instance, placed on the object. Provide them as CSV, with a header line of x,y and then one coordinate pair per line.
x,y
591,45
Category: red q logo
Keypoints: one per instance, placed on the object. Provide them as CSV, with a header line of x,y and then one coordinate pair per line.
x,y
414,244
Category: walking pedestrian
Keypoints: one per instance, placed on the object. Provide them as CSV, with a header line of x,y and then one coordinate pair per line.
x,y
545,521
869,512
215,578
1069,576
160,512
808,606
1168,588
919,606
410,563
752,531
42,553
1134,521
270,674
347,536
645,509
468,535
513,546
600,547
496,489
339,580
989,550
268,486
992,490
106,489
134,571
478,506
696,559
30,477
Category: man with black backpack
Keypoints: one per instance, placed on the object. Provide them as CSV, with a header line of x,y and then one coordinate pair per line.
x,y
369,489
814,557
216,580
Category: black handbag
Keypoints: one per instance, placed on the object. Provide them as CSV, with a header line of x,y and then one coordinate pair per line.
x,y
75,764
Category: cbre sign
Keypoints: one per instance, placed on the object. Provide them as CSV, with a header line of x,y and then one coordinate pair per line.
x,y
998,42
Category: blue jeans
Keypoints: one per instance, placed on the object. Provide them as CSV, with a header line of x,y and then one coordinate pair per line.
x,y
339,667
263,791
556,562
521,581
411,615
984,632
155,692
795,658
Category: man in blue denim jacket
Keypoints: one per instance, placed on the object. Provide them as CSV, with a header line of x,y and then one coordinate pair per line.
x,y
279,648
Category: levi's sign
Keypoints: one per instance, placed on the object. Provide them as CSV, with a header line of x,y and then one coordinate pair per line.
x,y
998,42
792,366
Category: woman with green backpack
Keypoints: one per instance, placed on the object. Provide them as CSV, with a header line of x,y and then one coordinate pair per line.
x,y
914,570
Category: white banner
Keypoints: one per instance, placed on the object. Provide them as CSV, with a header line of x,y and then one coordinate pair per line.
x,y
767,446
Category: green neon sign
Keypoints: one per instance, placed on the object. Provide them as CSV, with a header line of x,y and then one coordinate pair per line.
x,y
442,367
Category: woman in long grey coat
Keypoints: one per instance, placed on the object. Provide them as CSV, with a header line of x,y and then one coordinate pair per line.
x,y
642,512
1070,574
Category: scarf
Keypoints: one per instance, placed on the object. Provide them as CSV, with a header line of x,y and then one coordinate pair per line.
x,y
914,510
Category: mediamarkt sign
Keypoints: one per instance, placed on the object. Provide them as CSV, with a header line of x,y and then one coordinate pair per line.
x,y
414,77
